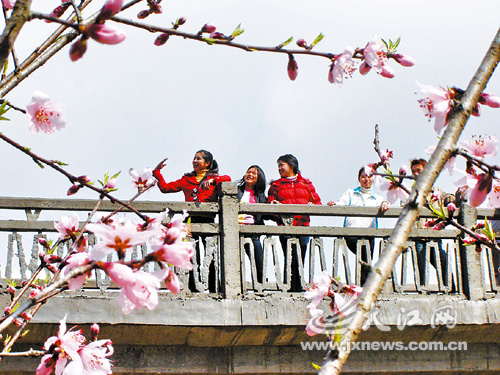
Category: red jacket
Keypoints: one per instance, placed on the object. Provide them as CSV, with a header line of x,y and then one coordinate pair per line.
x,y
193,192
300,191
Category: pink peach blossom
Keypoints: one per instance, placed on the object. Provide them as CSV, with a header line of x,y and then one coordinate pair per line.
x,y
94,357
76,260
172,282
343,67
139,288
479,192
345,304
481,147
119,237
319,290
43,115
494,196
143,179
436,105
67,226
394,191
376,58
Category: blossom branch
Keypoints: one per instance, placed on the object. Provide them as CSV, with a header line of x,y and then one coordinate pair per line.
x,y
229,43
29,353
381,271
73,179
49,291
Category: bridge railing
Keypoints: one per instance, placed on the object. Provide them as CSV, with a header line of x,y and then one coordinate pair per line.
x,y
433,261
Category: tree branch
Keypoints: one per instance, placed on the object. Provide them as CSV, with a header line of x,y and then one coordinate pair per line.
x,y
382,270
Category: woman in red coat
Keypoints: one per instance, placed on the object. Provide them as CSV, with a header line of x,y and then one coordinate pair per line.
x,y
200,185
292,188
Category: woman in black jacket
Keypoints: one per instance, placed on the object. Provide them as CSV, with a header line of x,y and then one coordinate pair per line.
x,y
251,189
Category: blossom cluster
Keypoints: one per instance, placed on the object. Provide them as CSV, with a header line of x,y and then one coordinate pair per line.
x,y
118,237
69,353
342,305
374,56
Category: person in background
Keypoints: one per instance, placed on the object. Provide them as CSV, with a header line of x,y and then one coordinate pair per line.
x,y
361,196
416,167
200,185
251,189
292,188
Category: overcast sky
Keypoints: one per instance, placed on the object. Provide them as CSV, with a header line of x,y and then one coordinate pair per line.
x,y
133,104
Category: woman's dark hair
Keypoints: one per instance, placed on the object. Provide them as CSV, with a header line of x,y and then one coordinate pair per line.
x,y
361,170
208,157
260,186
291,161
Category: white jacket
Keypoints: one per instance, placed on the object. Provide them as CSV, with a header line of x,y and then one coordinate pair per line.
x,y
354,197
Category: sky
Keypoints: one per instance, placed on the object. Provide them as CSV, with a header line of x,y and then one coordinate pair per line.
x,y
133,104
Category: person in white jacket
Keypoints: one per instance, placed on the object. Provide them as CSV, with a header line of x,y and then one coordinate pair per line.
x,y
362,196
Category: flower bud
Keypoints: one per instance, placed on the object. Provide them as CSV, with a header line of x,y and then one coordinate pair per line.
x,y
26,316
331,78
143,14
73,190
439,226
155,7
208,28
364,68
110,8
302,43
59,11
403,171
18,322
161,39
76,52
11,290
94,331
292,68
451,209
43,242
217,35
106,34
387,72
404,60
7,310
490,100
181,21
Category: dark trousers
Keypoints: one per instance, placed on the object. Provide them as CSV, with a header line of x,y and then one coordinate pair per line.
x,y
201,239
258,255
295,281
366,255
443,258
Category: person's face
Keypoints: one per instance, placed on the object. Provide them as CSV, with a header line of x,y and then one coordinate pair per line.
x,y
417,169
365,181
285,170
199,163
251,177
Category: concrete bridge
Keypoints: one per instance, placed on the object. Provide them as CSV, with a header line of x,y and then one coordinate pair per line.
x,y
444,321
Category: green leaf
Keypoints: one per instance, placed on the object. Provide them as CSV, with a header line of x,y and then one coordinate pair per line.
x,y
116,174
318,39
5,66
288,41
316,367
238,31
209,41
58,162
386,45
487,230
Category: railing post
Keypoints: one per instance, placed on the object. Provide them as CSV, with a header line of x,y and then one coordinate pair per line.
x,y
230,257
472,274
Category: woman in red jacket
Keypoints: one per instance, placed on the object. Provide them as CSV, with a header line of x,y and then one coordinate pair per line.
x,y
292,188
200,185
